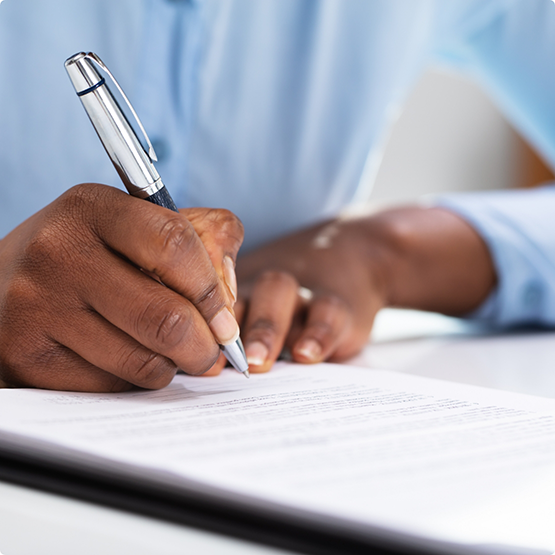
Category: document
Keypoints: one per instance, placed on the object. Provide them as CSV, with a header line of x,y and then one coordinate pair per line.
x,y
442,461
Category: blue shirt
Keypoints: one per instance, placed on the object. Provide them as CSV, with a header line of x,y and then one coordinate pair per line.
x,y
272,108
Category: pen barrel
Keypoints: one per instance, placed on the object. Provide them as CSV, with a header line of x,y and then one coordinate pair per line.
x,y
163,198
118,137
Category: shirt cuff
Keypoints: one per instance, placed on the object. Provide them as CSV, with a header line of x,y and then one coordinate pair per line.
x,y
518,227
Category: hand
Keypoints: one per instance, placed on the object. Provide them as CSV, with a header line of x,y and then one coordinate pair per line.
x,y
78,311
423,258
332,322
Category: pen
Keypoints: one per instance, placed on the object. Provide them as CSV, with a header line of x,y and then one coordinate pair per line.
x,y
132,162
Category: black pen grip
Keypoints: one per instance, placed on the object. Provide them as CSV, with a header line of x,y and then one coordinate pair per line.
x,y
163,198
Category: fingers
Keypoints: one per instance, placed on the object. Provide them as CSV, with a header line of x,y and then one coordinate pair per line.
x,y
166,244
221,363
58,367
70,372
271,310
221,233
317,328
154,316
120,355
328,322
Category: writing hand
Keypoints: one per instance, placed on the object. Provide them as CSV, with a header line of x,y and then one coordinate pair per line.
x,y
77,311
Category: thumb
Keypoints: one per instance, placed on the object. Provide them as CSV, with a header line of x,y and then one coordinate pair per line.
x,y
221,233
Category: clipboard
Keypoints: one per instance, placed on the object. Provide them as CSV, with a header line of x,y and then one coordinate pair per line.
x,y
86,458
119,490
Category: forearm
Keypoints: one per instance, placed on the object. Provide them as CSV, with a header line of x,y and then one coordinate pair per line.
x,y
426,258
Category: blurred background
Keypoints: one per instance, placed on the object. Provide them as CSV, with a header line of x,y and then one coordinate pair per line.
x,y
451,137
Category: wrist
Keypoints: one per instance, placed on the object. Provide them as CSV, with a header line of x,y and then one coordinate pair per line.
x,y
374,241
427,259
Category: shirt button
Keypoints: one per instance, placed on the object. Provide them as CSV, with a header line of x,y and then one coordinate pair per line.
x,y
161,148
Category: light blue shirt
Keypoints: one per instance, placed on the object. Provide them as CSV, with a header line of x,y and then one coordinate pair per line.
x,y
271,108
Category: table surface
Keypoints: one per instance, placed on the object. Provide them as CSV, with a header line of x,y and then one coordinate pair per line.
x,y
33,522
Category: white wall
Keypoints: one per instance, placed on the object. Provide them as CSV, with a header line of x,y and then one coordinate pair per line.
x,y
449,137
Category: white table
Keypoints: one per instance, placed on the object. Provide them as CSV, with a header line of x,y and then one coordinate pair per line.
x,y
36,523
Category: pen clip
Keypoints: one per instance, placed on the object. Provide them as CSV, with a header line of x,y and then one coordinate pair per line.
x,y
95,59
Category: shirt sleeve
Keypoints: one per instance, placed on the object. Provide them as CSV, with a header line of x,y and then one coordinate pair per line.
x,y
518,227
509,49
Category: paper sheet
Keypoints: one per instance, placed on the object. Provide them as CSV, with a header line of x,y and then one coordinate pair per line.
x,y
441,460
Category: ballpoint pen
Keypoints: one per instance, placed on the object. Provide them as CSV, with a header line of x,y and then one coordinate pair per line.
x,y
133,163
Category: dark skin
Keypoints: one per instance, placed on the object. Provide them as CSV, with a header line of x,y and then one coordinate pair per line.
x,y
422,258
80,310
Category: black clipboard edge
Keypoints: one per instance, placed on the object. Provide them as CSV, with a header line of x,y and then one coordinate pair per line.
x,y
149,498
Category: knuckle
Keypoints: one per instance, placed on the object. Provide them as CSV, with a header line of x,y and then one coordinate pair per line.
x,y
171,329
91,207
321,329
84,193
263,328
45,249
146,368
230,224
333,302
177,237
81,201
28,353
278,278
70,226
179,241
24,347
49,355
164,326
20,298
208,299
119,386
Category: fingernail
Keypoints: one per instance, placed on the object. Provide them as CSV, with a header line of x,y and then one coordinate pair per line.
x,y
309,349
230,277
257,353
225,328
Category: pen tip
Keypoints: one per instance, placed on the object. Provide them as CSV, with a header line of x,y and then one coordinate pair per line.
x,y
246,374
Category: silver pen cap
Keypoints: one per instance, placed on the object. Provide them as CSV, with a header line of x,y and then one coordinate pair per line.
x,y
132,162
